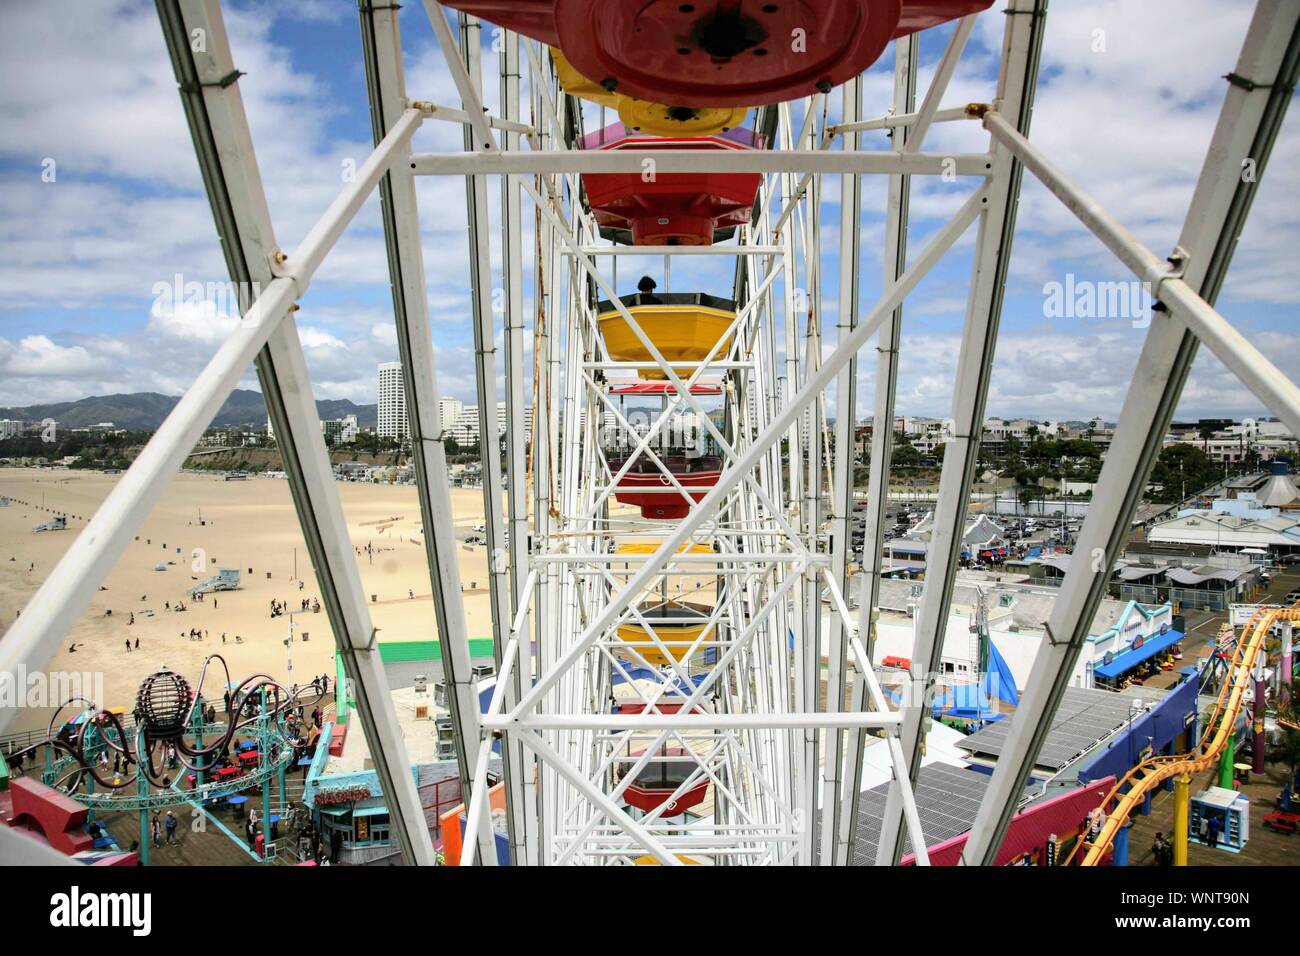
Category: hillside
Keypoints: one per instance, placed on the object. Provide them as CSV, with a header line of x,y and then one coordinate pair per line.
x,y
268,459
146,410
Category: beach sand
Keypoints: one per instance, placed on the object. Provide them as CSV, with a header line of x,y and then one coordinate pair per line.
x,y
246,524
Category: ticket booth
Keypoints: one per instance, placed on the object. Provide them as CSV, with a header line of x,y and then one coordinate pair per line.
x,y
1232,811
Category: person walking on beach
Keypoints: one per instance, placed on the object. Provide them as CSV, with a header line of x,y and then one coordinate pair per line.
x,y
137,643
128,646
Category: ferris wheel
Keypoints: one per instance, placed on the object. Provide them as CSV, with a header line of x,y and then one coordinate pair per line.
x,y
683,614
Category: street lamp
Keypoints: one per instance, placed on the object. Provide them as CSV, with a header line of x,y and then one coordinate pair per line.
x,y
288,649
1135,707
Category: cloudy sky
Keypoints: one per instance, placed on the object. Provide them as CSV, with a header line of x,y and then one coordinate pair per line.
x,y
1128,97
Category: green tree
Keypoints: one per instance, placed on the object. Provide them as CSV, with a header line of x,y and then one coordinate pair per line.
x,y
1181,466
904,454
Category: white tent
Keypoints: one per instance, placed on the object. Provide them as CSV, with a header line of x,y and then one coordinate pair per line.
x,y
1279,490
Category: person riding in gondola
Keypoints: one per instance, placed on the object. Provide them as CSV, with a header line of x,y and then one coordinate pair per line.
x,y
647,288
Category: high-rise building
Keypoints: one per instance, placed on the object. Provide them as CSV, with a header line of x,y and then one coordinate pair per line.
x,y
10,428
392,402
464,430
340,431
449,410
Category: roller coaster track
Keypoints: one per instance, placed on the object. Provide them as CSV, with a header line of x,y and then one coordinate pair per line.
x,y
114,801
1146,776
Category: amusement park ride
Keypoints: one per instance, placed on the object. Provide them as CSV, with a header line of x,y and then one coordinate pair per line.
x,y
669,688
114,764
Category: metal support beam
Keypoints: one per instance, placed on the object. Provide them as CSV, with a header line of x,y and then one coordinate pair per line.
x,y
906,59
520,768
1022,44
842,480
223,142
381,47
494,162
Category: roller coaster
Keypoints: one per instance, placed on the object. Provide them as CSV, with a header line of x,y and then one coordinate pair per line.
x,y
1220,728
112,764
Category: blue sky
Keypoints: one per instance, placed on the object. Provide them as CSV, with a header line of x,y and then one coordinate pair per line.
x,y
89,86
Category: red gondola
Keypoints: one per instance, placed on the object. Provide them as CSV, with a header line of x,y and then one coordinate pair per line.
x,y
719,52
663,388
646,486
669,209
659,778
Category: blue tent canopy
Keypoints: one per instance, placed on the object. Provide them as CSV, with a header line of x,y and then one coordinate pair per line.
x,y
897,548
1130,659
964,700
998,682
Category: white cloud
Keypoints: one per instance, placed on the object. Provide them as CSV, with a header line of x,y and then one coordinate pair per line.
x,y
35,356
195,322
90,86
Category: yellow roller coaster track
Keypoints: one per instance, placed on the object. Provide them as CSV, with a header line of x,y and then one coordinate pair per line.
x,y
1149,774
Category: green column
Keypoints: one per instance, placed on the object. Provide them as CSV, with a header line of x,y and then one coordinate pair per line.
x,y
142,787
196,725
340,687
1226,760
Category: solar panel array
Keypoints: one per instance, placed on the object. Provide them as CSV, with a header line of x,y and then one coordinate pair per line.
x,y
947,799
1085,717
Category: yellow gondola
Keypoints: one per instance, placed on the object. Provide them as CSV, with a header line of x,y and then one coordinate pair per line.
x,y
677,624
642,116
684,327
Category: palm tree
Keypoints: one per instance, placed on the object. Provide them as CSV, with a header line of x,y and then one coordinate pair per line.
x,y
1288,752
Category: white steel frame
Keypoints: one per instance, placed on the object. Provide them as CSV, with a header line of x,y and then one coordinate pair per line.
x,y
780,762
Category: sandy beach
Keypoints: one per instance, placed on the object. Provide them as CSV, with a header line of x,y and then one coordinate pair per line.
x,y
237,524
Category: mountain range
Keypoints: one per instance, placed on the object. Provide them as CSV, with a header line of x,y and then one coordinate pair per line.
x,y
146,410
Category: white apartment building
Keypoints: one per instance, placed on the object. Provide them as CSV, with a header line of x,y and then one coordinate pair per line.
x,y
341,430
460,421
449,410
1261,429
392,402
464,429
10,428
